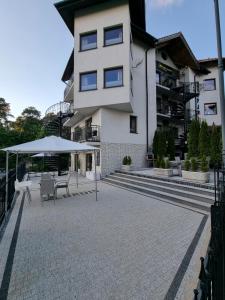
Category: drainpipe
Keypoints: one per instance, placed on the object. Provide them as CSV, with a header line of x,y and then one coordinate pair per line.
x,y
147,95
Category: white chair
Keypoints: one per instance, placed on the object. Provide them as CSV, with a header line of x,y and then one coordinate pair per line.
x,y
47,188
60,184
24,186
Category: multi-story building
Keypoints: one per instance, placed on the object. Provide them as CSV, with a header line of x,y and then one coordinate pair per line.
x,y
208,104
123,83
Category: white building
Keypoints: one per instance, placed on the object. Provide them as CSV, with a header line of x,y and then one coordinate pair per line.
x,y
123,84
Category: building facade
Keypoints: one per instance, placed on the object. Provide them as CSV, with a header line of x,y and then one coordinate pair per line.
x,y
123,84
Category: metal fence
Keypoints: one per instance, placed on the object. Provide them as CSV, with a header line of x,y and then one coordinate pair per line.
x,y
12,177
212,274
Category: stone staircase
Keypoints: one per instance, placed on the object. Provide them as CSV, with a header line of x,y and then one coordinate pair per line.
x,y
187,194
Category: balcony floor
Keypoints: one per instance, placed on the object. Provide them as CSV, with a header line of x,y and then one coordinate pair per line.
x,y
125,246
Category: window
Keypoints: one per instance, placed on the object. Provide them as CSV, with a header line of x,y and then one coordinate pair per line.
x,y
88,81
209,84
113,77
210,109
113,35
88,41
133,124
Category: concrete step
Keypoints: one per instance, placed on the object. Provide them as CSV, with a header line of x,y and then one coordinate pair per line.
x,y
178,184
171,188
188,202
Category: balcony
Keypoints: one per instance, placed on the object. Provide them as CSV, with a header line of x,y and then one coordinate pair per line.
x,y
87,134
68,92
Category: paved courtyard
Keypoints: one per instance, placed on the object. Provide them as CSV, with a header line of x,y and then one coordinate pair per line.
x,y
125,246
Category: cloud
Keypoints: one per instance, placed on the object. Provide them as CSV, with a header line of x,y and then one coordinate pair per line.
x,y
163,3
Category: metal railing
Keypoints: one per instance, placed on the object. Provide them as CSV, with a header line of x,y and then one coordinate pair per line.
x,y
69,84
212,274
12,177
87,134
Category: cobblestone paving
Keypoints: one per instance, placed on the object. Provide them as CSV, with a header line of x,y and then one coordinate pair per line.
x,y
125,246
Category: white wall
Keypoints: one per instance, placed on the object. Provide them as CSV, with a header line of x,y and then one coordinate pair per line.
x,y
167,62
102,57
210,97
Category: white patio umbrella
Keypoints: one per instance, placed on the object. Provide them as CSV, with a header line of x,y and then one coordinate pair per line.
x,y
47,145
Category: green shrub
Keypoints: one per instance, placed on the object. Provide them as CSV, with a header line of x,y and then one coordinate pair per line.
x,y
187,165
193,139
215,146
204,164
204,139
167,164
170,144
158,162
127,161
194,164
163,164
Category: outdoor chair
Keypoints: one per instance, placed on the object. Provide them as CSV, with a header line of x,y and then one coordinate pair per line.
x,y
47,188
177,165
63,184
23,186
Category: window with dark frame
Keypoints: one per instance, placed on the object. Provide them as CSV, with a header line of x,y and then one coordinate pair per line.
x,y
113,35
88,41
210,109
133,124
113,77
209,84
88,81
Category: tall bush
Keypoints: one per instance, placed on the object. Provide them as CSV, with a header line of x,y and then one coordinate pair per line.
x,y
171,144
215,146
204,140
156,144
193,139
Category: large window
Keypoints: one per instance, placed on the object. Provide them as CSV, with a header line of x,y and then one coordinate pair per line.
x,y
209,84
133,124
88,41
113,35
88,81
210,109
113,77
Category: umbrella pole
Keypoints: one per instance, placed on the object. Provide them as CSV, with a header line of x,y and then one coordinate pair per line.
x,y
77,169
16,165
96,184
6,181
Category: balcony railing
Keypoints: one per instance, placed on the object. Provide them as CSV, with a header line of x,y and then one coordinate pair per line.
x,y
87,134
69,85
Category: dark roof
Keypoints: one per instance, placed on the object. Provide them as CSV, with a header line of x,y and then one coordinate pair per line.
x,y
179,51
143,36
69,68
210,62
67,9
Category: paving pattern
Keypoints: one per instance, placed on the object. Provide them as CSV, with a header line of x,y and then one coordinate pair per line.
x,y
125,246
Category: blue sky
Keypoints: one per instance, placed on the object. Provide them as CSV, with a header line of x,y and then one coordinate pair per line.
x,y
35,44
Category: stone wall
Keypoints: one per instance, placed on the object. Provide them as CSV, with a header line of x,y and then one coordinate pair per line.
x,y
112,155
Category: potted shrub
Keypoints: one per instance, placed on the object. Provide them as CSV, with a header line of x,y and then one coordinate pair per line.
x,y
196,172
127,161
163,167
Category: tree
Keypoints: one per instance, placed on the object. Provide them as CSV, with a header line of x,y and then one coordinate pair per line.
x,y
204,140
156,144
170,144
193,138
4,111
215,146
29,124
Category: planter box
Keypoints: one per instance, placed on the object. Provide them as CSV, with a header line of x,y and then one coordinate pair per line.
x,y
91,175
163,172
201,177
126,168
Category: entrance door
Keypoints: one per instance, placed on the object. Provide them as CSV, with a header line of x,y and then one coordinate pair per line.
x,y
88,162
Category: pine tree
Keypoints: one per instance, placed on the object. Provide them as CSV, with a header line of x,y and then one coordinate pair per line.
x,y
193,138
204,141
156,144
170,144
215,146
162,147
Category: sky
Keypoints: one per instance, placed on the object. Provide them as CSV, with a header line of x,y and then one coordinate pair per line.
x,y
35,44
